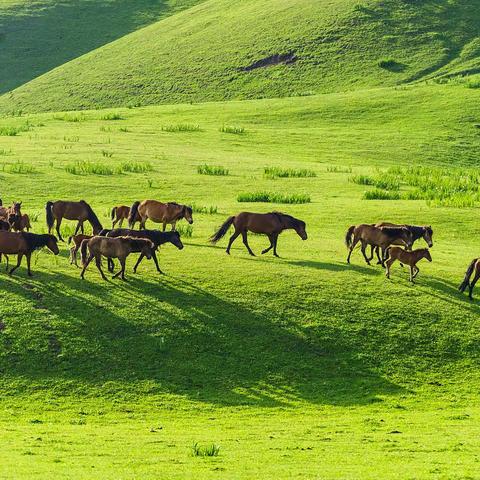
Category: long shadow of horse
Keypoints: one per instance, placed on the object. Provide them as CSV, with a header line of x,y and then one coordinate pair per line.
x,y
177,338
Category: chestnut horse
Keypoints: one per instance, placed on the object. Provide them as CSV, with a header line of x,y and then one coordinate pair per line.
x,y
158,212
24,244
157,238
77,241
5,212
407,258
80,211
120,248
121,213
19,223
270,224
381,237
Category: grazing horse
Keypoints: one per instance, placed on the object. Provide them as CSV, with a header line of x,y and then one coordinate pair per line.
x,y
120,247
80,211
77,241
473,267
158,212
381,237
156,237
270,224
121,213
19,223
5,212
408,258
24,244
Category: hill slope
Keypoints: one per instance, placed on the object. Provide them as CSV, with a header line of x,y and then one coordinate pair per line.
x,y
38,35
225,49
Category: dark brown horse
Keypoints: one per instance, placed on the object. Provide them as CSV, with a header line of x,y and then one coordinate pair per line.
x,y
121,213
80,211
24,244
407,258
473,267
158,212
270,224
381,237
156,237
120,248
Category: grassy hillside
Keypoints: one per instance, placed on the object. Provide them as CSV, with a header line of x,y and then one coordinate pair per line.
x,y
39,35
302,365
225,49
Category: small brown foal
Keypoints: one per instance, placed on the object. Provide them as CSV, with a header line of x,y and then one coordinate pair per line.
x,y
408,258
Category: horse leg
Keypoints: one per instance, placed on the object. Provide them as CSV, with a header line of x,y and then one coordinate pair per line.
x,y
29,256
270,237
472,284
87,263
411,274
364,246
114,223
122,269
154,256
232,239
245,242
275,240
388,264
377,251
57,228
19,261
174,225
352,246
164,226
416,271
384,256
121,223
77,228
81,228
98,262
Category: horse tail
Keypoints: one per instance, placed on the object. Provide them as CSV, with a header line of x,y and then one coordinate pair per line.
x,y
222,230
133,214
83,251
114,211
468,274
49,212
349,236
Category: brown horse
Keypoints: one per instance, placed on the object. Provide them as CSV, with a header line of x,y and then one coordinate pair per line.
x,y
407,258
77,241
19,223
270,224
121,213
24,244
158,212
120,247
473,267
80,211
381,237
5,212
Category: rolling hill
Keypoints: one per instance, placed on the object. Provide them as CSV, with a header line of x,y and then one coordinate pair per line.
x,y
225,49
38,35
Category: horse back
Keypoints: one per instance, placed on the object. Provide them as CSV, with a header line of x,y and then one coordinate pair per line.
x,y
12,242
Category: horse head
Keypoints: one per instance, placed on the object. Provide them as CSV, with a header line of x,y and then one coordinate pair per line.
x,y
427,235
188,214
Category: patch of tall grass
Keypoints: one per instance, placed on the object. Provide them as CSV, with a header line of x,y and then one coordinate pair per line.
x,y
272,197
136,167
181,127
13,131
18,167
112,116
212,170
211,210
232,129
336,169
378,194
278,172
185,231
211,450
70,117
90,168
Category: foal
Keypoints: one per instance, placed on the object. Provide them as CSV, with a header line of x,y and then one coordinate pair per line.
x,y
120,247
77,241
407,258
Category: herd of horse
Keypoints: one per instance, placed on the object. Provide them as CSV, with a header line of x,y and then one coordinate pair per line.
x,y
384,239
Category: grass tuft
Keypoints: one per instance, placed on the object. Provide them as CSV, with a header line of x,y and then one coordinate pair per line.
x,y
8,131
90,168
70,117
181,127
112,116
185,231
271,197
378,194
278,172
232,129
136,167
211,450
212,170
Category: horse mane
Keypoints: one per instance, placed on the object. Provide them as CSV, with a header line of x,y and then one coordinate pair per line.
x,y
394,231
281,216
138,242
36,241
92,218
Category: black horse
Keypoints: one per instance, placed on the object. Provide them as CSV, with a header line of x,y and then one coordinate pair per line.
x,y
158,238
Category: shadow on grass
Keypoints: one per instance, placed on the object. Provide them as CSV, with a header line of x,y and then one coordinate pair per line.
x,y
175,338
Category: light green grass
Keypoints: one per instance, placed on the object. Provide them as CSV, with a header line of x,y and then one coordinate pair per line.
x,y
301,366
215,50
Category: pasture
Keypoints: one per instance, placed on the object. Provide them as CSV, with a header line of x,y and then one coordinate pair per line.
x,y
234,366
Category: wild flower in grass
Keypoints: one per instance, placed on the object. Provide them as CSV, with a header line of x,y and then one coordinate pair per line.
x,y
271,197
274,172
212,170
211,450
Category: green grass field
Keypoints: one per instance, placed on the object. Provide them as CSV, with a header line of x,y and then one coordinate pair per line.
x,y
298,367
